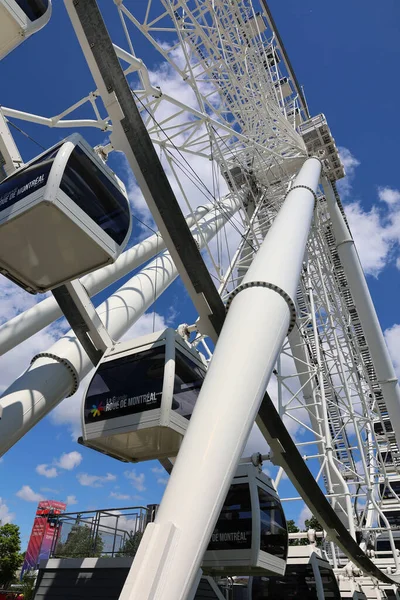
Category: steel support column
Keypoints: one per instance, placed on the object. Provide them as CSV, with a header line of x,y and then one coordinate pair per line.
x,y
365,308
258,319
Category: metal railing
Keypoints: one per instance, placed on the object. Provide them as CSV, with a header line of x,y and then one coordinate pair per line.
x,y
107,532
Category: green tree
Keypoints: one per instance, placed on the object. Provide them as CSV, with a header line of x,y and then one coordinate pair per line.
x,y
131,544
292,528
313,523
80,543
10,553
28,586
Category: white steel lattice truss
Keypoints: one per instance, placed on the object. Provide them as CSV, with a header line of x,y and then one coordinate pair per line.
x,y
243,120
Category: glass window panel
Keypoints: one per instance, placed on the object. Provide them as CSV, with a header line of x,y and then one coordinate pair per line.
x,y
298,582
387,457
233,529
274,536
47,155
126,386
24,182
393,517
33,8
378,427
96,195
383,545
188,381
387,493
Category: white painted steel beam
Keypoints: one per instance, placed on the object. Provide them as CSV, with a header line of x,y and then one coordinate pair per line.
x,y
366,311
170,554
10,158
55,374
23,326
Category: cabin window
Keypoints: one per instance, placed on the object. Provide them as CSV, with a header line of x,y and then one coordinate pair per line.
x,y
378,427
33,9
387,493
234,526
86,184
188,381
383,545
393,517
124,386
298,582
22,183
274,537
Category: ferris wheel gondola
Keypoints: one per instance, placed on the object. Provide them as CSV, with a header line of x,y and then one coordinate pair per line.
x,y
139,402
308,575
250,537
62,215
19,19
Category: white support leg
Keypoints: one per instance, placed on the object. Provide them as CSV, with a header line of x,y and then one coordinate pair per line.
x,y
366,311
257,322
10,158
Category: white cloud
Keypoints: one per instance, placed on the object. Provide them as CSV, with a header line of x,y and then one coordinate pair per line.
x,y
47,471
119,496
71,500
136,480
389,195
94,480
27,493
49,490
5,515
371,236
69,460
66,461
255,443
147,323
376,231
392,336
160,473
305,514
158,470
350,163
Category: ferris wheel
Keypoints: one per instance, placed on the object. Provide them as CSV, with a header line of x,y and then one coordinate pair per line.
x,y
238,183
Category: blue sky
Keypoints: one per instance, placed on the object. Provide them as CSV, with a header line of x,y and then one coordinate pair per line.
x,y
347,59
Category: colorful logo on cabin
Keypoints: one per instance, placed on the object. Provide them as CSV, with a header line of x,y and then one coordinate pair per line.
x,y
97,410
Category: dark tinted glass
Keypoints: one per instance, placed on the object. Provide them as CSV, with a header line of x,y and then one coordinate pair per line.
x,y
383,545
330,584
47,155
188,381
24,182
387,457
386,492
378,427
393,517
33,8
274,536
233,529
126,386
297,583
96,195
